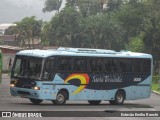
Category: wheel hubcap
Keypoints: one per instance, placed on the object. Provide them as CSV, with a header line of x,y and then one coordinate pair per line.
x,y
120,98
60,98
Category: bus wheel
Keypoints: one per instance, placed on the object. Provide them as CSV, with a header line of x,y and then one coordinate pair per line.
x,y
60,99
119,98
35,101
94,102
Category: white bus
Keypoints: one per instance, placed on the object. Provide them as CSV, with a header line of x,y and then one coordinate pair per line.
x,y
81,74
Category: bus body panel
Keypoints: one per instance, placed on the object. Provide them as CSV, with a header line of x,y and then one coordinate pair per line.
x,y
88,85
49,91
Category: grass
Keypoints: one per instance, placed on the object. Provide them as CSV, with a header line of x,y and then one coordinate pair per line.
x,y
156,87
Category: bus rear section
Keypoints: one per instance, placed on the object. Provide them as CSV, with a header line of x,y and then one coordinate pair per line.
x,y
61,76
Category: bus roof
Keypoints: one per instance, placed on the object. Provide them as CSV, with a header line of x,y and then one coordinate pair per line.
x,y
82,52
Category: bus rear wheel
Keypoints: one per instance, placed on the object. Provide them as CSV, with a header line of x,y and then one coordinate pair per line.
x,y
119,98
94,102
60,99
35,101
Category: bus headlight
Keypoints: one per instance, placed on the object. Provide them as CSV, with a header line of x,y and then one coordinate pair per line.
x,y
36,88
12,85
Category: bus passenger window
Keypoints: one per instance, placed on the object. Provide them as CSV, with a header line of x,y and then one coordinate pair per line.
x,y
96,65
146,67
93,65
100,65
126,65
80,64
64,64
137,65
108,65
115,66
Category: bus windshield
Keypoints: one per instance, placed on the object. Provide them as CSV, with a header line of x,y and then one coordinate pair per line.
x,y
27,67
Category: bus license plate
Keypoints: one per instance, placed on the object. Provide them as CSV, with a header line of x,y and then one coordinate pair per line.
x,y
24,96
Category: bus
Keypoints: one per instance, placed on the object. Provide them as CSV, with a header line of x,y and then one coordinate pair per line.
x,y
1,66
81,74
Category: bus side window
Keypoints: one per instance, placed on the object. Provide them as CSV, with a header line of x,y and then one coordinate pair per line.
x,y
93,65
96,65
108,65
137,65
80,64
49,68
126,65
115,65
146,66
100,65
64,64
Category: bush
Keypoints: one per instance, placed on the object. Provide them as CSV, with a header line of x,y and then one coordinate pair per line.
x,y
156,79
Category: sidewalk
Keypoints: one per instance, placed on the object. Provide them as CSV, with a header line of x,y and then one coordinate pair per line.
x,y
158,93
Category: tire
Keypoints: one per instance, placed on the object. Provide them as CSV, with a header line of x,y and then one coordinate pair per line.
x,y
119,98
35,101
94,102
60,99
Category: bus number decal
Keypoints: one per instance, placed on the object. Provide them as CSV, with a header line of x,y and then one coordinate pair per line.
x,y
137,79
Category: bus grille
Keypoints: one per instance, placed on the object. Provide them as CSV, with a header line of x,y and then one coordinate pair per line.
x,y
23,93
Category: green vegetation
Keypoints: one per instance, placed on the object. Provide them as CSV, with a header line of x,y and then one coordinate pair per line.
x,y
156,83
26,32
156,87
133,25
51,5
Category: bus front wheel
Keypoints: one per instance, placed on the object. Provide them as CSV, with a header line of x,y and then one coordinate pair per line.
x,y
60,99
119,98
94,102
35,101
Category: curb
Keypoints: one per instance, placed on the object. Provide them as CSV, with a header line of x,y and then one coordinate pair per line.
x,y
158,93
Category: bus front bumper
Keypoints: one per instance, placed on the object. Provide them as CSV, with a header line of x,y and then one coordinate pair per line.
x,y
29,93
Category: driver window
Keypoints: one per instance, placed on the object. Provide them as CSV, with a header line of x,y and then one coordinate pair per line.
x,y
49,68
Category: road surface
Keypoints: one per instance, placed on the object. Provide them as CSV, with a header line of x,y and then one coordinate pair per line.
x,y
10,103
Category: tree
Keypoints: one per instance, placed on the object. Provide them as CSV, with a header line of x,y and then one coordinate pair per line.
x,y
63,28
51,5
151,31
135,45
45,34
90,7
113,5
27,30
131,17
100,31
10,30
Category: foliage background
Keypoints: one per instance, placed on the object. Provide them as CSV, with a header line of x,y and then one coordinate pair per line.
x,y
132,25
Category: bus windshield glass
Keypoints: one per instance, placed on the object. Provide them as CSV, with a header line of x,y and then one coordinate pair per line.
x,y
27,67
